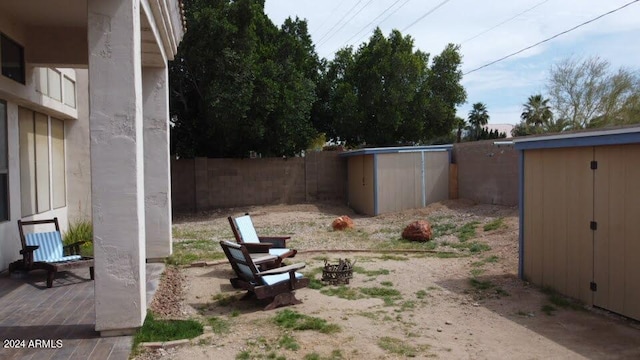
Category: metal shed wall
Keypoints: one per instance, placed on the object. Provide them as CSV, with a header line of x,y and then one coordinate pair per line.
x,y
361,184
580,207
399,181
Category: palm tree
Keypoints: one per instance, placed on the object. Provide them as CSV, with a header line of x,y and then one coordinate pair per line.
x,y
478,117
537,111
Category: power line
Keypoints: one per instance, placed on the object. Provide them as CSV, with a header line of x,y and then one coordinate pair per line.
x,y
330,16
504,22
552,37
426,14
339,21
385,19
346,22
371,22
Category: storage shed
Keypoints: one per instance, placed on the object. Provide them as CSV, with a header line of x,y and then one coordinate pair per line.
x,y
580,216
383,180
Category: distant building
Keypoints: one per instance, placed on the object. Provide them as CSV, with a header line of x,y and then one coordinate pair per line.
x,y
502,128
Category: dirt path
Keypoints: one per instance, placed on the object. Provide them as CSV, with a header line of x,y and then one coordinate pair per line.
x,y
468,305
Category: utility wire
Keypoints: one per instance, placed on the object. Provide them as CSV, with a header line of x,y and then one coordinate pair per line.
x,y
346,22
339,21
385,19
330,16
371,22
504,22
552,37
426,14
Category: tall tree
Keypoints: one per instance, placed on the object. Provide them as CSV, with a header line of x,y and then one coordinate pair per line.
x,y
239,83
478,118
586,93
385,93
537,111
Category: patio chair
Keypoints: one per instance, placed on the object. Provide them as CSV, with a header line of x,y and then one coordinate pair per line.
x,y
245,234
44,250
277,285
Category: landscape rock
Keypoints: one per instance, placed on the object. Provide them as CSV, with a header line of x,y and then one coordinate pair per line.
x,y
418,231
342,222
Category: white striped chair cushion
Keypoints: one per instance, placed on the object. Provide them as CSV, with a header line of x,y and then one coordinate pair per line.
x,y
247,230
274,279
50,247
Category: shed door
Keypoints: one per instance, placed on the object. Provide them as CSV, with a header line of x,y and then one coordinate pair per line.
x,y
617,238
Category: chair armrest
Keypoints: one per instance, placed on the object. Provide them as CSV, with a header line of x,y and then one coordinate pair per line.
x,y
29,249
277,241
283,269
257,248
259,258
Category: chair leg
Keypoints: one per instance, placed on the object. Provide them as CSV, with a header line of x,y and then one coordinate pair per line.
x,y
283,299
50,276
91,273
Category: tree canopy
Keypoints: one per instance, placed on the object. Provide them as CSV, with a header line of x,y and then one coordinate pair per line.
x,y
239,83
387,93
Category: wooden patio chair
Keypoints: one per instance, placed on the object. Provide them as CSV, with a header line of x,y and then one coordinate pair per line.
x,y
277,285
245,234
44,250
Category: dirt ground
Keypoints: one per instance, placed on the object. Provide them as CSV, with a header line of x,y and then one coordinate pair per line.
x,y
462,305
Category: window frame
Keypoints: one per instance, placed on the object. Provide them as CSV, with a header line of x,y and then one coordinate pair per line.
x,y
4,151
5,70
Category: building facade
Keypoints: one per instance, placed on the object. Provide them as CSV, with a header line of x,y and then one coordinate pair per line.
x,y
84,134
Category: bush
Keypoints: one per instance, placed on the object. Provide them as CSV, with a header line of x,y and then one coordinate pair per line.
x,y
81,230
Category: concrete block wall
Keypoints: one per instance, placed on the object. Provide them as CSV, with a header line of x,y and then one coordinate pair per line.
x,y
202,184
487,173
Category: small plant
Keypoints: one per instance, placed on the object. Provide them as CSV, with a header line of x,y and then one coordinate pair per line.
x,y
224,300
288,342
421,294
548,309
290,319
481,285
494,225
78,231
187,251
561,301
387,295
342,292
386,283
397,346
467,231
166,330
218,325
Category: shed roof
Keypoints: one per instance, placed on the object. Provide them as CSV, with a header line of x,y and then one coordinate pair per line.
x,y
616,136
397,149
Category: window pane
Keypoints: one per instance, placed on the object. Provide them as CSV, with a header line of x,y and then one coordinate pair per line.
x,y
42,163
69,92
55,90
12,59
42,81
27,162
58,164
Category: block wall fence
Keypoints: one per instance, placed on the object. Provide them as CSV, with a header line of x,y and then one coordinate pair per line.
x,y
484,172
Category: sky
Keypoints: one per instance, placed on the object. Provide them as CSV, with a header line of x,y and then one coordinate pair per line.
x,y
486,31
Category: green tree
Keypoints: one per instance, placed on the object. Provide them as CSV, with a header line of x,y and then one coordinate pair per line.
x,y
385,93
239,83
537,111
478,118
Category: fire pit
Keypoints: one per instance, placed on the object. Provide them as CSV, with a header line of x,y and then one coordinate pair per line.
x,y
339,273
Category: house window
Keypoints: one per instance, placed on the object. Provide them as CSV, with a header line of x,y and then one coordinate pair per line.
x,y
54,81
4,166
69,92
12,59
42,163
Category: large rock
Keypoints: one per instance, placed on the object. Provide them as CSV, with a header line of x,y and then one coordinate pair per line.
x,y
342,222
417,231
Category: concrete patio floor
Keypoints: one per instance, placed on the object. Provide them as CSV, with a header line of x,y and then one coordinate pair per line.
x,y
58,323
